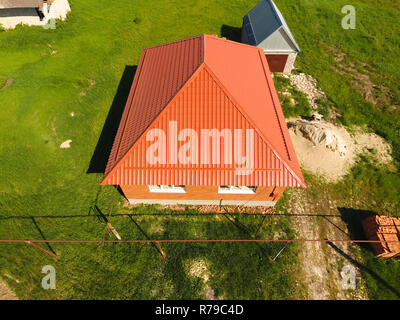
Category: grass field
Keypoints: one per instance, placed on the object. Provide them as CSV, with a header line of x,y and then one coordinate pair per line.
x,y
343,61
47,192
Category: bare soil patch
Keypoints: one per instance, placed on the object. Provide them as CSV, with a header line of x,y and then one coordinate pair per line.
x,y
321,264
364,80
199,269
6,293
156,228
334,164
7,83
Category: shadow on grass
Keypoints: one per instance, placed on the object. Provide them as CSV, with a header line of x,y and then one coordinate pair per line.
x,y
353,219
335,225
162,214
231,33
103,148
146,235
365,269
42,234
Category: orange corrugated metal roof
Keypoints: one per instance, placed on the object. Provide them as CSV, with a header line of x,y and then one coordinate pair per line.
x,y
203,82
161,72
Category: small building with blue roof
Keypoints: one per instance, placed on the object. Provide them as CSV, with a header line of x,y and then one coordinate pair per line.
x,y
265,27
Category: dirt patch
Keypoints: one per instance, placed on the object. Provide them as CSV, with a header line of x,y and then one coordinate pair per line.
x,y
363,79
199,269
156,229
210,293
6,293
235,209
322,265
332,164
213,208
7,83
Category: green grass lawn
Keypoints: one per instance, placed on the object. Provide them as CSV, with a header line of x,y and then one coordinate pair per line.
x,y
137,271
47,192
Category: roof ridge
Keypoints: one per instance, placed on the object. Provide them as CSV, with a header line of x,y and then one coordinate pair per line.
x,y
270,2
290,158
274,105
284,24
173,42
241,110
232,42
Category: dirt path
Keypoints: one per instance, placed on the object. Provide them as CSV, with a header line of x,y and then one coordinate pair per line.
x,y
6,293
322,263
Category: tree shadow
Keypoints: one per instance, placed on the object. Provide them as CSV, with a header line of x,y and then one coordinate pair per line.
x,y
99,159
231,33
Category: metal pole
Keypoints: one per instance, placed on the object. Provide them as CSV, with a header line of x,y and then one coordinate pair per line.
x,y
39,247
280,251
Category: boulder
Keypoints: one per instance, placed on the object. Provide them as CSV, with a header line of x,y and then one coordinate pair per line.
x,y
319,134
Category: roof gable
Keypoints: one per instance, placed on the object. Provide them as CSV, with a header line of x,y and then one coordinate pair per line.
x,y
242,73
263,21
279,41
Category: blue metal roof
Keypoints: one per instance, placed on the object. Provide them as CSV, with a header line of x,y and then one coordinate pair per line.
x,y
263,20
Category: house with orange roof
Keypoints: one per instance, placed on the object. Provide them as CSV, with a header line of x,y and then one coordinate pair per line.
x,y
203,125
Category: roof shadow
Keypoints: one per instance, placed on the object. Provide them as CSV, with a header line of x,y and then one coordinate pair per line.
x,y
99,158
231,33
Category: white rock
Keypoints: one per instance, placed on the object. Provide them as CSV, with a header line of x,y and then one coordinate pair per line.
x,y
66,144
320,135
317,116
